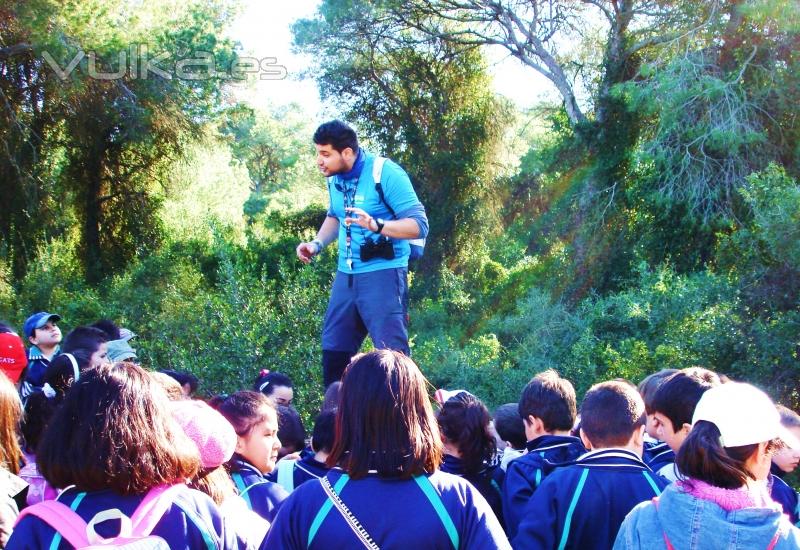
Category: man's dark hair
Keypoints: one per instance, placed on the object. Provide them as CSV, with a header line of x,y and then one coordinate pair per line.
x,y
509,425
551,399
338,135
610,413
677,397
324,431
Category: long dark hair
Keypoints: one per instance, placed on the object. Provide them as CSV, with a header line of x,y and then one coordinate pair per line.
x,y
113,431
464,421
702,457
385,421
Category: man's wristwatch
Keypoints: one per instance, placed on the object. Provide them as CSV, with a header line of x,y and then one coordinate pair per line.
x,y
319,244
380,223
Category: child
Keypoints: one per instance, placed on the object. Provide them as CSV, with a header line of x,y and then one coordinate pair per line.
x,y
39,409
12,355
657,454
387,454
290,474
276,386
583,504
215,440
722,503
188,381
291,431
673,407
12,488
111,443
44,336
256,425
83,348
510,429
548,409
785,461
469,446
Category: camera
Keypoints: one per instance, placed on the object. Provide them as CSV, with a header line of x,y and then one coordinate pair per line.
x,y
381,248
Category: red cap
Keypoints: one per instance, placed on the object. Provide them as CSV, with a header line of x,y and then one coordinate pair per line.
x,y
12,355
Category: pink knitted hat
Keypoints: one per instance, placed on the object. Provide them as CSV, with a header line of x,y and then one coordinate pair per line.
x,y
210,431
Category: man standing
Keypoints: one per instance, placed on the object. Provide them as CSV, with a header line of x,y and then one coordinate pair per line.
x,y
373,224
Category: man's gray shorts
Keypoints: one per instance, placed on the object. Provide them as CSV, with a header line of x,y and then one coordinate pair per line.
x,y
374,303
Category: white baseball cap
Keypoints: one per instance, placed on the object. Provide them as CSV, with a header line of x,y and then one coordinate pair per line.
x,y
743,414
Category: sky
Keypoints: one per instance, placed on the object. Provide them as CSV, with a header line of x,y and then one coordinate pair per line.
x,y
264,31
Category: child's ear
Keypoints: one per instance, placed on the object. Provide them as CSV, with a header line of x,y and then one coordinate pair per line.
x,y
686,428
239,445
586,441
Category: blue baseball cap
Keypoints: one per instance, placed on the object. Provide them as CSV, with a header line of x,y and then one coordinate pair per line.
x,y
38,320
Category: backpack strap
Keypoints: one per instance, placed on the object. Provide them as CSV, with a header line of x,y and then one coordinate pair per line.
x,y
436,501
377,170
152,508
76,371
664,533
60,517
326,507
286,474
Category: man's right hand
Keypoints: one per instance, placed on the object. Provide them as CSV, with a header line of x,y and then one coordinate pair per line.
x,y
306,251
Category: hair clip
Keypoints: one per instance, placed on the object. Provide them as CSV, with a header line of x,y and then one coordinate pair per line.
x,y
263,372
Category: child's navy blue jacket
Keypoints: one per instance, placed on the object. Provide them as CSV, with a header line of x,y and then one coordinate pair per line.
x,y
303,470
484,481
193,521
784,495
657,455
582,505
395,512
261,495
524,474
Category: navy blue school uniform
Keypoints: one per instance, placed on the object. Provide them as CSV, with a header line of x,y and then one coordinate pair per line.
x,y
303,470
193,521
261,495
525,474
34,376
484,481
786,496
582,505
658,455
431,512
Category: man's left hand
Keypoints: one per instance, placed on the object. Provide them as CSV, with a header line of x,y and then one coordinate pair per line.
x,y
363,219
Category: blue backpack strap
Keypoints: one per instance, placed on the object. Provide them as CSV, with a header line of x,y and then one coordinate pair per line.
x,y
286,474
73,506
436,501
326,507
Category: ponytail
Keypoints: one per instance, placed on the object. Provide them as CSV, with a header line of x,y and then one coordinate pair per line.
x,y
703,457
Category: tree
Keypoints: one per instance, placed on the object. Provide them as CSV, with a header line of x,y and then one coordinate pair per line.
x,y
89,125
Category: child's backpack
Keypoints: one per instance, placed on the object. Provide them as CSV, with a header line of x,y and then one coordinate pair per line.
x,y
134,531
417,245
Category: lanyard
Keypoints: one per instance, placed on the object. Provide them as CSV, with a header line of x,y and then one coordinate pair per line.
x,y
349,199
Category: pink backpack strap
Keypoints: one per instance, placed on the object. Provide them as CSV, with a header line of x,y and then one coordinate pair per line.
x,y
775,538
152,508
62,518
